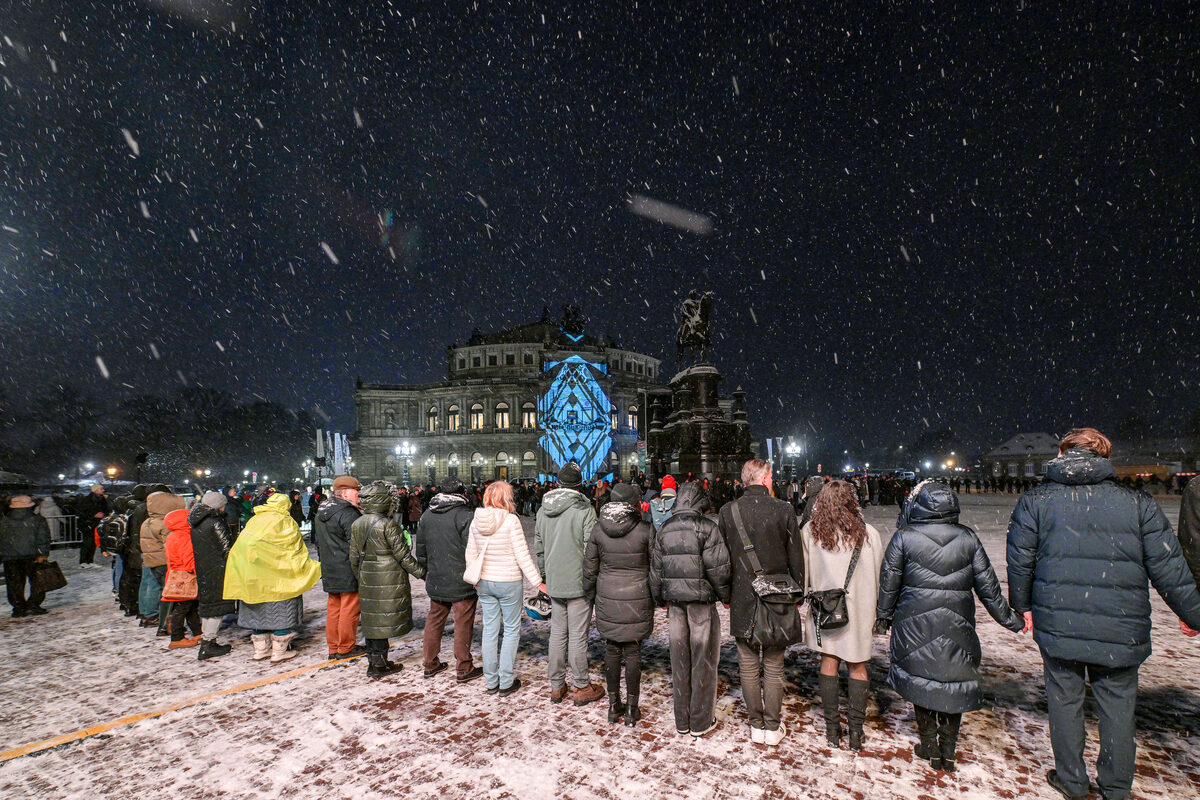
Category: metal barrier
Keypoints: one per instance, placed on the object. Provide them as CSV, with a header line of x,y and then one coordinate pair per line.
x,y
66,533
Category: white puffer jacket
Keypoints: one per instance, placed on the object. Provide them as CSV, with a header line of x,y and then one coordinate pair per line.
x,y
507,557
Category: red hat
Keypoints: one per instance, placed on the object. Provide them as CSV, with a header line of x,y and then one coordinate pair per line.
x,y
669,483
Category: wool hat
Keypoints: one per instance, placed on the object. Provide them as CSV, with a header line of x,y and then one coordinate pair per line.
x,y
214,500
451,485
668,482
21,501
625,493
346,482
570,476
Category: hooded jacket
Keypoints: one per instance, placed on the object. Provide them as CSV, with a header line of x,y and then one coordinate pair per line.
x,y
178,546
507,556
211,541
382,561
689,562
560,536
269,560
1081,551
23,535
331,534
616,573
931,567
441,547
153,533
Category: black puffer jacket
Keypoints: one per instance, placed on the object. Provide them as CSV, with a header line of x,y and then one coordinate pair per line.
x,y
1081,549
689,562
331,534
23,535
441,547
771,526
930,569
616,573
211,541
1189,527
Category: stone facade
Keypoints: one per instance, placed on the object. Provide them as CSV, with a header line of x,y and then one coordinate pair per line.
x,y
484,422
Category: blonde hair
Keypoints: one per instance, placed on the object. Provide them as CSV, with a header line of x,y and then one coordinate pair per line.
x,y
499,494
754,470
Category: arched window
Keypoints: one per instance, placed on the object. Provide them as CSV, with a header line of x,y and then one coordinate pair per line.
x,y
612,417
502,419
502,457
631,418
529,457
528,416
452,418
431,419
476,416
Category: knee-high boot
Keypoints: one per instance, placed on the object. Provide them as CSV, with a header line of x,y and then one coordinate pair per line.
x,y
830,702
927,731
948,739
857,713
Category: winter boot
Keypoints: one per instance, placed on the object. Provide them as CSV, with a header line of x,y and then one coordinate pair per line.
x,y
279,648
210,649
927,731
378,665
830,699
632,712
262,645
616,709
947,732
857,713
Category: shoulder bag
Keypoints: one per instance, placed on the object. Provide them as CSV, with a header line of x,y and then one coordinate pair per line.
x,y
180,585
776,622
828,606
475,568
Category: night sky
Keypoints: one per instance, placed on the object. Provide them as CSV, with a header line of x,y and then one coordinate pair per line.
x,y
922,214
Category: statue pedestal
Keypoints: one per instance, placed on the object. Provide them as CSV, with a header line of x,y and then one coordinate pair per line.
x,y
691,431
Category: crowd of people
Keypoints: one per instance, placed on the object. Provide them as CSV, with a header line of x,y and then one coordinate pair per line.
x,y
792,562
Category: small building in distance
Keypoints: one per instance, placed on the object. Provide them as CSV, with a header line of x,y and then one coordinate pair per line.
x,y
1023,456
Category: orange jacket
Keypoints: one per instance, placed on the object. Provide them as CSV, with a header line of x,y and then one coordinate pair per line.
x,y
179,542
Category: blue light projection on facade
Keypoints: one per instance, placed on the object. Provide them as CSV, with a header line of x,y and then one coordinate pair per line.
x,y
574,413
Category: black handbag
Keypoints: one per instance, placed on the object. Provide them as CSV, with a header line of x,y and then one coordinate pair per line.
x,y
777,623
47,576
828,606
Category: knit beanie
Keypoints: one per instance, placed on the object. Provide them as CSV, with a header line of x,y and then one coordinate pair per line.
x,y
669,483
625,493
570,476
214,500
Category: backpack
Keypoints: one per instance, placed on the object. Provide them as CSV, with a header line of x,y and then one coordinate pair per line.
x,y
114,533
660,512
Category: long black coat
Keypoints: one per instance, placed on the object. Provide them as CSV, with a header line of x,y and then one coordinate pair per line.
x,y
133,550
689,562
382,562
1082,550
211,540
331,534
930,569
1189,527
771,526
440,546
616,572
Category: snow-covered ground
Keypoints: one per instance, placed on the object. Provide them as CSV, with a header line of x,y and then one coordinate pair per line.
x,y
332,734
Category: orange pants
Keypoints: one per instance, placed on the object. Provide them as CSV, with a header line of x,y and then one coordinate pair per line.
x,y
341,621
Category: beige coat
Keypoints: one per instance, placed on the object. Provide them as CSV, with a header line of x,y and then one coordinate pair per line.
x,y
507,557
826,569
153,535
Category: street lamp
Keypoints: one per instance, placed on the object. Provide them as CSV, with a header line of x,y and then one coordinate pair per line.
x,y
407,451
111,472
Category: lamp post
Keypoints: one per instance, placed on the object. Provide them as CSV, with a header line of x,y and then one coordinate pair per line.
x,y
792,451
407,451
112,473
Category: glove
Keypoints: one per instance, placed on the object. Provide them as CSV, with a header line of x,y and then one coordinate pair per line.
x,y
883,627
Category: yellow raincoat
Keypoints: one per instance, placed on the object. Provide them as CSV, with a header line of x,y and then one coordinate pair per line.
x,y
269,560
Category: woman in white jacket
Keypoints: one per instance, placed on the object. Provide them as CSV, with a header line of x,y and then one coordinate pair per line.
x,y
498,539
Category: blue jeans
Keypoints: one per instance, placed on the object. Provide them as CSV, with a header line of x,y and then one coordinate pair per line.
x,y
500,600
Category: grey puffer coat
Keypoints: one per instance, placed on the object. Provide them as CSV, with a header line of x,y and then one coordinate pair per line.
x,y
382,561
930,569
1082,551
616,573
689,562
23,535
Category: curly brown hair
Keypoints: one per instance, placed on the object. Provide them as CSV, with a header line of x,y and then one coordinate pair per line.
x,y
837,518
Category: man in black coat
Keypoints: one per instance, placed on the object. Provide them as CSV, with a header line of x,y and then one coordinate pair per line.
x,y
331,534
770,524
91,508
690,573
131,576
233,510
24,541
211,542
440,547
1081,550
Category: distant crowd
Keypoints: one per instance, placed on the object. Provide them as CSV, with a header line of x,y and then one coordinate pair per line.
x,y
792,562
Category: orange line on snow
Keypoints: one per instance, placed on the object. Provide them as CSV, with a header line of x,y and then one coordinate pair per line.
x,y
79,735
